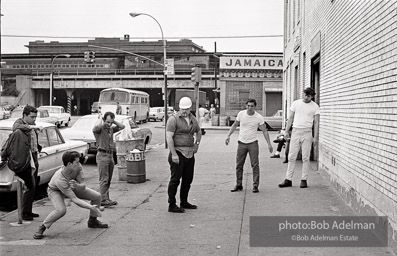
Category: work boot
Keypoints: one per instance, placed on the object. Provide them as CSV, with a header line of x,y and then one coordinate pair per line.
x,y
275,156
255,189
94,223
39,232
285,183
188,205
175,208
303,184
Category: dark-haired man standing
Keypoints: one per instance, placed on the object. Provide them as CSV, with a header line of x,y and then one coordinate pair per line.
x,y
303,113
249,121
22,155
103,132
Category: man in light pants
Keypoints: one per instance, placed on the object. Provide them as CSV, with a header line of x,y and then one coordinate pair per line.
x,y
304,112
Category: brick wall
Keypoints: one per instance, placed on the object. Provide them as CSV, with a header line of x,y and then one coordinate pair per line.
x,y
358,96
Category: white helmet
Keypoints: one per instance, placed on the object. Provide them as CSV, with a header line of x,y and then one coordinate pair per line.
x,y
185,102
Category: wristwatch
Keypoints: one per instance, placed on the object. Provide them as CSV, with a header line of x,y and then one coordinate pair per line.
x,y
198,142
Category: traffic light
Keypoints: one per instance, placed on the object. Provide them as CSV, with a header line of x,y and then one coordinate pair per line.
x,y
92,56
196,74
87,56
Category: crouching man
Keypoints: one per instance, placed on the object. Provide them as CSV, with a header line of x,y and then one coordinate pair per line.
x,y
69,182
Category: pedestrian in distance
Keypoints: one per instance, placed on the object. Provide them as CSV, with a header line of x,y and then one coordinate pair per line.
x,y
68,182
212,111
21,152
119,110
304,113
249,121
201,116
103,132
180,132
281,142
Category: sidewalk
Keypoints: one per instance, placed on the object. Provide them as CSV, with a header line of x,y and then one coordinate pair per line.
x,y
141,225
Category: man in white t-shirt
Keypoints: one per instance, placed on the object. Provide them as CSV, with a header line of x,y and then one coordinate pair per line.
x,y
249,121
304,113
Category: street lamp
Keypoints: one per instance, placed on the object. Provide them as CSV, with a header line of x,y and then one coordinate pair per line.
x,y
136,14
52,73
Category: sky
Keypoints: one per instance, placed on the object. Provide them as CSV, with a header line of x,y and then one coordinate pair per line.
x,y
203,21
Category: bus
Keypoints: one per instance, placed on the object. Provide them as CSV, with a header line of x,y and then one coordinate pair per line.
x,y
133,103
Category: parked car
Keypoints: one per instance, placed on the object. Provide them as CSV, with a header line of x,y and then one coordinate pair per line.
x,y
157,113
58,112
274,122
42,116
95,107
50,157
82,130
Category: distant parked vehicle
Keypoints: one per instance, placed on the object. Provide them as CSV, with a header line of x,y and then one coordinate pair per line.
x,y
274,122
95,107
42,116
82,130
58,112
157,113
4,113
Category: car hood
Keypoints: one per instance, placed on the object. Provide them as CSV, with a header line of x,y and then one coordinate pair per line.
x,y
74,134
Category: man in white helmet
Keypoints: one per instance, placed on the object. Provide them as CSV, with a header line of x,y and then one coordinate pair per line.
x,y
180,131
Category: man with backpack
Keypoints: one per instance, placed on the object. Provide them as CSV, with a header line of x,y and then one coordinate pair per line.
x,y
21,152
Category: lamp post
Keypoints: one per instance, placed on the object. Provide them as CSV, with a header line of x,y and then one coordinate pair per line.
x,y
52,73
133,15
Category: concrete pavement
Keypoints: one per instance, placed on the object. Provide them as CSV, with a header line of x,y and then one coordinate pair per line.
x,y
141,225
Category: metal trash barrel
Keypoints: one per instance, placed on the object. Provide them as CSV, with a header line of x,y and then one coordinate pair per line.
x,y
122,149
136,167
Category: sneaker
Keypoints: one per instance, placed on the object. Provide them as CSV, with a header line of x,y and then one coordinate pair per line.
x,y
94,223
39,232
175,208
107,203
285,183
236,188
303,184
255,189
275,156
188,205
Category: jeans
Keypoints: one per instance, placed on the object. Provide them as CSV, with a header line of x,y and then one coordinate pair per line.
x,y
58,201
242,150
184,170
31,183
300,138
105,163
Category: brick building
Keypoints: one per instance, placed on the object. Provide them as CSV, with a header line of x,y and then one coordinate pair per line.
x,y
347,51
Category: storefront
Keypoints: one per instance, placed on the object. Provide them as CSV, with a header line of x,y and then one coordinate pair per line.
x,y
251,76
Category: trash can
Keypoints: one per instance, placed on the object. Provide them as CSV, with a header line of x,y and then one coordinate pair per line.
x,y
136,166
123,147
215,120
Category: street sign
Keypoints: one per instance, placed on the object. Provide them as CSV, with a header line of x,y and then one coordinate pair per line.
x,y
169,67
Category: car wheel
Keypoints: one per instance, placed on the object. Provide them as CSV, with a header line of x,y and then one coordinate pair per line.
x,y
67,124
59,125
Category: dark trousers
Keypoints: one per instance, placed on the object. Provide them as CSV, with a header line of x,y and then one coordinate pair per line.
x,y
242,150
280,147
184,170
30,186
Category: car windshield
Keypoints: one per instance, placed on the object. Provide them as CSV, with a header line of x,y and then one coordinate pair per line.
x,y
85,123
16,113
51,110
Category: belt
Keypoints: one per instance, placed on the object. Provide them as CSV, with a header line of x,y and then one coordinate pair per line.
x,y
105,151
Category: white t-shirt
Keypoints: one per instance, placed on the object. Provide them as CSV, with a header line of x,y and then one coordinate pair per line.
x,y
304,113
248,126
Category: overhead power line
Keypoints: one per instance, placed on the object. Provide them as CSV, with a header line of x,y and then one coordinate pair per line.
x,y
172,37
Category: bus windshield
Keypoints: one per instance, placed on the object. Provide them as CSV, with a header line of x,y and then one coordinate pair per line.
x,y
114,96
